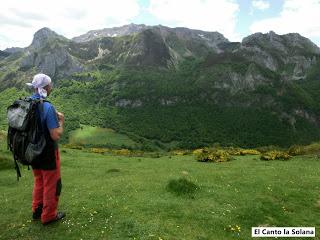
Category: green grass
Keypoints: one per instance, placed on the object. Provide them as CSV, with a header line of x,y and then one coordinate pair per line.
x,y
95,136
113,197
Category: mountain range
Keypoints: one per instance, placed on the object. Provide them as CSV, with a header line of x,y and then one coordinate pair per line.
x,y
179,85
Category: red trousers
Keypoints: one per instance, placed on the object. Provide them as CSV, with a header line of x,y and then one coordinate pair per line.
x,y
46,190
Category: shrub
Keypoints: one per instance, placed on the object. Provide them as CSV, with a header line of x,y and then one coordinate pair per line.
x,y
99,150
242,152
180,152
265,149
214,155
123,152
249,152
296,150
197,151
313,148
233,151
182,186
275,155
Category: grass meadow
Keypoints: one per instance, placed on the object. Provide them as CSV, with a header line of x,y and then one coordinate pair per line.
x,y
95,136
164,198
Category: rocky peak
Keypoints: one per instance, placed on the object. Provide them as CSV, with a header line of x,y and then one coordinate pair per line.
x,y
48,53
284,43
111,32
298,41
42,36
211,39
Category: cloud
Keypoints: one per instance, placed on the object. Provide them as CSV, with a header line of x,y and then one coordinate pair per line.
x,y
260,4
206,15
19,20
296,16
7,21
22,14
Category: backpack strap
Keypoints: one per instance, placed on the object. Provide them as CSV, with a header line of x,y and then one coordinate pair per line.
x,y
16,165
9,147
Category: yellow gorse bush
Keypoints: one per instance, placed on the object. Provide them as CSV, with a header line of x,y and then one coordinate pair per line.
x,y
122,152
275,155
213,155
242,152
249,152
234,229
197,151
313,148
99,150
180,152
296,150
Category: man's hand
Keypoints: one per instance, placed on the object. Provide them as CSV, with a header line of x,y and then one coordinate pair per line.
x,y
60,117
56,133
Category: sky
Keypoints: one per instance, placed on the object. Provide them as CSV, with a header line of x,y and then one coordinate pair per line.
x,y
235,19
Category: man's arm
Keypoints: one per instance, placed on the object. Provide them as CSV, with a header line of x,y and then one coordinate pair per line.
x,y
56,133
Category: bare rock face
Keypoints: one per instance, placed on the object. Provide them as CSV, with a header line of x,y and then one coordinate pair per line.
x,y
4,54
58,64
111,32
48,53
43,36
275,52
149,49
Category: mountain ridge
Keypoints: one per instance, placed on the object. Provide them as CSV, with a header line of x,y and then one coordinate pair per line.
x,y
168,75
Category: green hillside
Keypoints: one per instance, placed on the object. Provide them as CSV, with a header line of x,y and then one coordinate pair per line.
x,y
154,106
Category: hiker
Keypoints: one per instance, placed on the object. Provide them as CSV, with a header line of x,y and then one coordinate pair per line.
x,y
47,179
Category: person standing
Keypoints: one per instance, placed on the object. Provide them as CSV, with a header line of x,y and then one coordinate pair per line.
x,y
47,178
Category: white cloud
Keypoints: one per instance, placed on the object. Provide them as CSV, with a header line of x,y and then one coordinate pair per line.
x,y
260,4
296,16
19,20
206,15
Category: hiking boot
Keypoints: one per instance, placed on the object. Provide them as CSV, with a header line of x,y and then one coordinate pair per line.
x,y
36,215
59,216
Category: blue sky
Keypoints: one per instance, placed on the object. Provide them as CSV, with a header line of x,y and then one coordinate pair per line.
x,y
248,14
235,19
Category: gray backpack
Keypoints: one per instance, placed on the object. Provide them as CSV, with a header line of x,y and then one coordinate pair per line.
x,y
25,139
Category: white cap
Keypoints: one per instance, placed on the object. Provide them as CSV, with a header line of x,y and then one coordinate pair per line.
x,y
39,81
